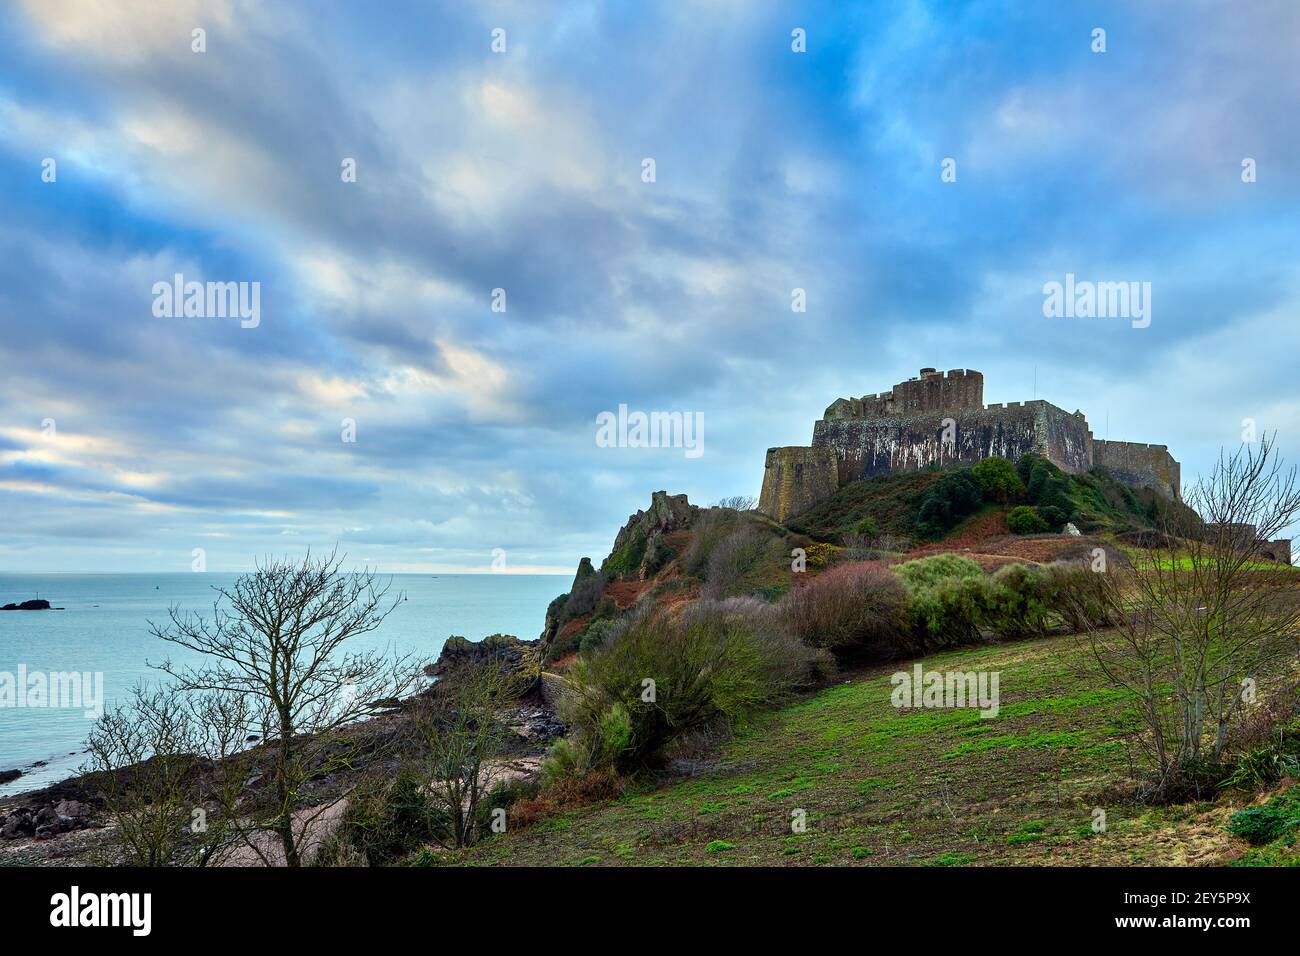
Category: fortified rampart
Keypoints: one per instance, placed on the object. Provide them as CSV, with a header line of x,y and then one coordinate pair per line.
x,y
1147,466
939,418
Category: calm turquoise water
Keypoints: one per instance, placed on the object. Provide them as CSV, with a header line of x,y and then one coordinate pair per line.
x,y
105,629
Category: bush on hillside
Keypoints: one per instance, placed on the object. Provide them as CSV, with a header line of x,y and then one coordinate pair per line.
x,y
949,612
946,595
710,667
1049,487
386,817
1021,600
735,558
1053,517
866,527
856,611
598,633
925,572
709,530
1025,519
998,479
1079,596
951,498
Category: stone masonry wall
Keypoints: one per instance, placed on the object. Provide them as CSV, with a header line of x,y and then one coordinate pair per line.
x,y
867,447
1146,466
795,478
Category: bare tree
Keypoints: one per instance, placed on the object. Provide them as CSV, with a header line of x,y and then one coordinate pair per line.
x,y
161,761
277,641
458,731
738,503
1203,614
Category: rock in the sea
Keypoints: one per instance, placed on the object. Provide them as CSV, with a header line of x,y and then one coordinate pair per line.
x,y
37,604
9,776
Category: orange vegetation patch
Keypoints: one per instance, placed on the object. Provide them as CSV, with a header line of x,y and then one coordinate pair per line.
x,y
576,626
562,664
625,593
974,533
678,541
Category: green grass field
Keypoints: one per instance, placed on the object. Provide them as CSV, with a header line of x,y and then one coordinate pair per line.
x,y
878,785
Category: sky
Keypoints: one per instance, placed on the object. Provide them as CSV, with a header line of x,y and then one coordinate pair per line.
x,y
133,441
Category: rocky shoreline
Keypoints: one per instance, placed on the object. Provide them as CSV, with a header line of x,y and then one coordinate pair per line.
x,y
68,819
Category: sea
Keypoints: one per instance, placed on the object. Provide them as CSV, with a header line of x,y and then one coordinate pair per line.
x,y
104,629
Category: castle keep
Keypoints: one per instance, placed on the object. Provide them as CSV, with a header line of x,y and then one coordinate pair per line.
x,y
939,418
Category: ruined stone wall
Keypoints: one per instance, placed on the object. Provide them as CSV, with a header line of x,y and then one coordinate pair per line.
x,y
1279,550
1145,466
795,478
877,446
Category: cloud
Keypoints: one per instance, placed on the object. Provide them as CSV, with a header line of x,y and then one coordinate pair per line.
x,y
522,171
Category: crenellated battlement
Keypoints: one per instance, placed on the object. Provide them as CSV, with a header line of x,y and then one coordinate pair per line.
x,y
954,390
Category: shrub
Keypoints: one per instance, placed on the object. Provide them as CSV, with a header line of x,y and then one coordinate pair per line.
x,y
951,498
385,819
1278,818
1020,601
708,668
866,526
1026,520
947,599
1053,517
948,612
1048,486
1079,596
1025,466
893,543
597,633
733,559
998,479
708,531
932,570
819,555
857,611
794,663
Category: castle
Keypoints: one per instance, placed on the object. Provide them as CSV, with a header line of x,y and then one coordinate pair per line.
x,y
939,418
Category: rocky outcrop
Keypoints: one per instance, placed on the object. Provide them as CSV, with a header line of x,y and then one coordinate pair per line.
x,y
505,649
44,814
37,604
639,547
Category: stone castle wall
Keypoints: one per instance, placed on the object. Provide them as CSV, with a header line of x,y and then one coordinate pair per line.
x,y
866,447
932,391
1144,466
940,419
795,478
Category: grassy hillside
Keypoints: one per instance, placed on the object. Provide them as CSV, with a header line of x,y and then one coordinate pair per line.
x,y
891,501
881,785
1095,502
